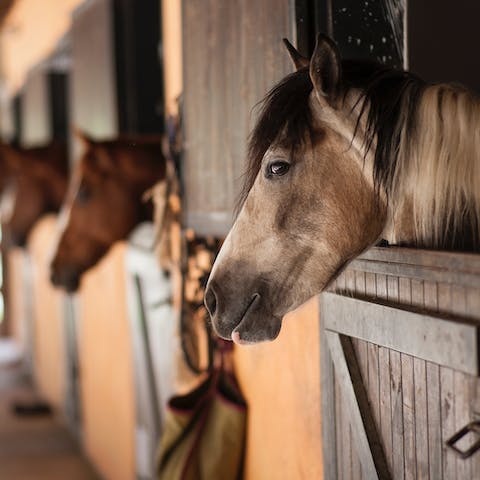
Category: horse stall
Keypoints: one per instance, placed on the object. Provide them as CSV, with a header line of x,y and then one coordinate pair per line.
x,y
124,327
34,306
397,335
232,55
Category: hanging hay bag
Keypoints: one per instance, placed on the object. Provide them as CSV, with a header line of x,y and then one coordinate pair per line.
x,y
204,435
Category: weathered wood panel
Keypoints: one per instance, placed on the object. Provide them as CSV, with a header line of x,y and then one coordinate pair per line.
x,y
418,401
232,56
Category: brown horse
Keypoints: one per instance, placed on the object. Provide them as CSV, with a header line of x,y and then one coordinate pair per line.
x,y
344,153
104,202
36,183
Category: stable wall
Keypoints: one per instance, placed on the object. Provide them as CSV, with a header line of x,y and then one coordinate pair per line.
x,y
106,372
17,299
281,383
49,336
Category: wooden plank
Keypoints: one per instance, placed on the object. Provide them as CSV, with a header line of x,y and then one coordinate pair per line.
x,y
365,435
433,396
396,392
462,395
445,342
409,417
462,386
434,421
327,386
385,404
361,347
447,412
447,389
350,281
408,398
454,277
424,258
421,417
370,285
373,390
396,399
381,286
339,430
473,306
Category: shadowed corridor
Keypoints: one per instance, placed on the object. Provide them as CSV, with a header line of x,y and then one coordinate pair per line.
x,y
35,448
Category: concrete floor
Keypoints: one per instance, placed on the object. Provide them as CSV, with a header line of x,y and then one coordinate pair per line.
x,y
35,448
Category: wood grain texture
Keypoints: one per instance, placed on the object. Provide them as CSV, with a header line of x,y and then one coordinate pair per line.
x,y
448,342
241,57
358,410
418,402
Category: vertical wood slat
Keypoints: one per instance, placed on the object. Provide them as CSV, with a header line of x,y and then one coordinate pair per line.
x,y
339,431
420,395
405,297
461,385
472,297
361,352
447,388
384,414
433,396
329,411
396,392
366,437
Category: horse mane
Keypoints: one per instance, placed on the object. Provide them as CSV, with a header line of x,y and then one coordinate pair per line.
x,y
423,138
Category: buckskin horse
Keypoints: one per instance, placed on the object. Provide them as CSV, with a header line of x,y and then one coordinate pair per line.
x,y
35,184
104,202
344,153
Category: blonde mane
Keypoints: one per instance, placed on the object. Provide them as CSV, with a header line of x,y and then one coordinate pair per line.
x,y
438,167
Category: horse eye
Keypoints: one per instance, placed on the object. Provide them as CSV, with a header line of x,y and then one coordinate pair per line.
x,y
83,194
278,168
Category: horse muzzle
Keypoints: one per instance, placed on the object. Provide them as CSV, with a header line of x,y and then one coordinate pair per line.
x,y
243,322
66,279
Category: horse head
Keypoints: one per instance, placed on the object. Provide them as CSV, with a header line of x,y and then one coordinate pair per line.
x,y
104,202
35,185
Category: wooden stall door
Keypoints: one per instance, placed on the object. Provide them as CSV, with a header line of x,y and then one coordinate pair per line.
x,y
400,366
48,322
106,368
232,55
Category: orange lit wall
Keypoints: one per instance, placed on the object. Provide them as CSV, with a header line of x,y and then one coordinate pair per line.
x,y
172,52
281,383
17,298
106,368
48,322
31,30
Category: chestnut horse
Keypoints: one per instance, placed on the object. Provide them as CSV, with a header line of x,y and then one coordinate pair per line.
x,y
35,184
104,202
344,153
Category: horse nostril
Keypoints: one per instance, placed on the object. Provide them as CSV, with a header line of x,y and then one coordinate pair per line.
x,y
211,301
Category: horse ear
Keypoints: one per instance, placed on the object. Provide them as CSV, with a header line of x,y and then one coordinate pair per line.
x,y
82,136
298,60
326,69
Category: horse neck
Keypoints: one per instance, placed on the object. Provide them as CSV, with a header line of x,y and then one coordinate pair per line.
x,y
435,201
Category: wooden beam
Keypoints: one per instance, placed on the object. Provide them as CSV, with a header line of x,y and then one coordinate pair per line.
x,y
327,389
451,343
365,435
